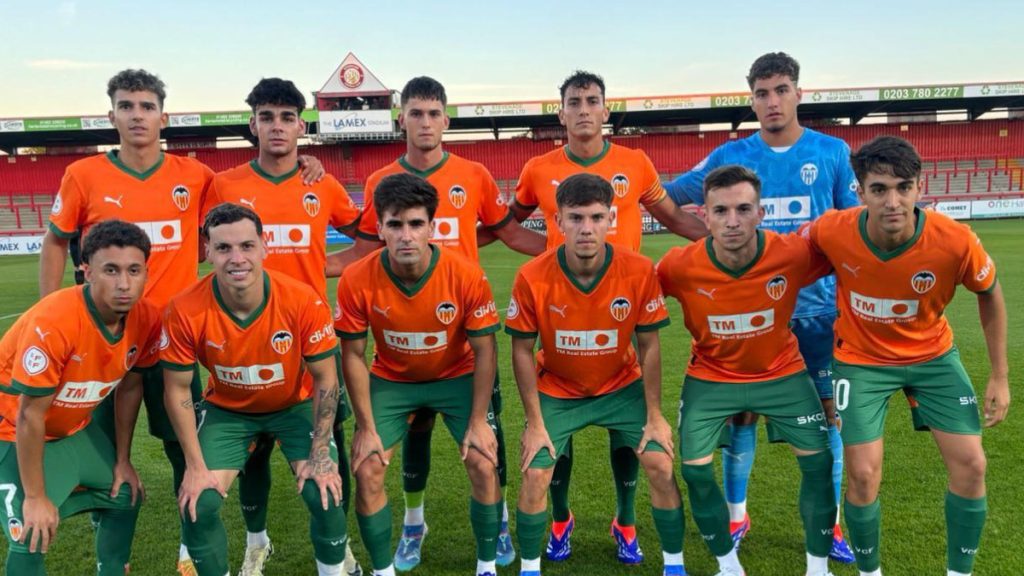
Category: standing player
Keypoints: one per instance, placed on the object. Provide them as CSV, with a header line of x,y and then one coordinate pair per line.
x,y
469,195
586,300
635,182
898,267
295,219
433,321
57,363
738,289
804,174
267,342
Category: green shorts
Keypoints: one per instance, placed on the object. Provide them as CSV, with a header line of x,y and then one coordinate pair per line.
x,y
227,438
791,405
394,403
78,471
623,412
940,393
153,396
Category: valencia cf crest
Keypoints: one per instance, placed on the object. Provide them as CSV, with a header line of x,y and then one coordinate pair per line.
x,y
281,341
446,312
620,308
457,196
129,359
181,197
15,528
776,287
620,184
311,204
922,281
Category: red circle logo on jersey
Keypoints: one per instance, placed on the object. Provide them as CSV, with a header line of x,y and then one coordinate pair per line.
x,y
311,204
446,312
180,195
351,75
281,341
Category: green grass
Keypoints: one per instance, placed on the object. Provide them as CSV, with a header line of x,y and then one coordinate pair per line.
x,y
912,489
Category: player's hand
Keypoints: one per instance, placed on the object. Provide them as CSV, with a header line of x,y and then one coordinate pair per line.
x,y
366,444
535,438
125,473
657,430
322,470
312,170
41,520
829,405
480,437
192,485
997,400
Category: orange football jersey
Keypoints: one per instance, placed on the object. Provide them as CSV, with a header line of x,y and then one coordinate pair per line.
x,y
61,346
466,194
164,201
295,216
256,364
585,332
420,332
739,319
631,173
891,303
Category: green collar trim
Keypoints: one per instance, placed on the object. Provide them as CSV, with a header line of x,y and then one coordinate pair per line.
x,y
255,165
410,291
423,173
94,313
884,255
736,273
563,263
255,313
145,174
587,162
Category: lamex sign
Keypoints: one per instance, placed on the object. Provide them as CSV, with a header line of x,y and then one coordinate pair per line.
x,y
356,122
20,245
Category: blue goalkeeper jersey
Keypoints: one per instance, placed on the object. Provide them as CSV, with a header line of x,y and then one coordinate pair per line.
x,y
797,186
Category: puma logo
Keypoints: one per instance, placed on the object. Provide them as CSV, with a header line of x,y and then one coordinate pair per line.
x,y
42,335
382,311
557,310
853,270
112,200
709,293
247,202
555,183
213,344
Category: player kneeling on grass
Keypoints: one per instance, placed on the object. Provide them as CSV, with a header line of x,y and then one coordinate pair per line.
x,y
433,321
57,363
586,300
897,268
738,289
267,342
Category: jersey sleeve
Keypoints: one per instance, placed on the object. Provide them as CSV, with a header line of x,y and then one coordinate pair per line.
x,y
653,192
368,223
653,314
211,198
977,271
817,264
688,188
41,356
521,317
68,211
344,211
481,314
350,315
493,212
844,188
526,196
317,330
177,341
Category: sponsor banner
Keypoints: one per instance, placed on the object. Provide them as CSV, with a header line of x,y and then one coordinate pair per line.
x,y
495,110
831,96
668,103
922,92
741,100
335,237
52,124
185,120
1003,208
356,122
955,210
96,123
989,90
20,245
12,125
224,118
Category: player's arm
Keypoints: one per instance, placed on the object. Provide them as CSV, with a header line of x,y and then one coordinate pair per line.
x,y
320,468
518,238
677,220
53,259
181,412
479,434
337,261
312,169
519,213
40,515
127,399
365,442
992,311
535,434
657,428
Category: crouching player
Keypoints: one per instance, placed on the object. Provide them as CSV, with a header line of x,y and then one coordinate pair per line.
x,y
57,363
586,300
267,342
433,321
897,268
738,289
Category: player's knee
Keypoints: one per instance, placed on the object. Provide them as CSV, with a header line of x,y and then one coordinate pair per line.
x,y
370,477
535,483
659,469
971,467
480,469
208,505
311,496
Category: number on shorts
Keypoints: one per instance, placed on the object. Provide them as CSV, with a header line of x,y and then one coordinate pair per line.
x,y
11,490
841,390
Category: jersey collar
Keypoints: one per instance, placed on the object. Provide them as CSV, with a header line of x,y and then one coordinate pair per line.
x,y
255,313
884,255
736,273
144,175
94,313
563,263
410,291
587,162
255,165
423,173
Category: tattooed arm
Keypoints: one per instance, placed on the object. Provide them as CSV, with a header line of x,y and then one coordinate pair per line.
x,y
320,467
